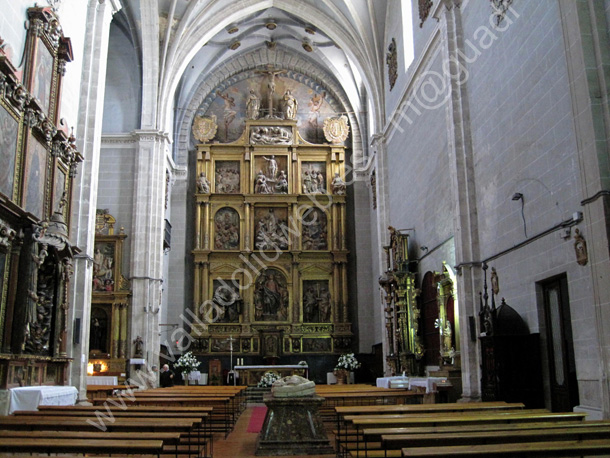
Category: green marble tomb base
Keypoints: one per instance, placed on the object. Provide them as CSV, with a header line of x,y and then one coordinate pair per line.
x,y
293,426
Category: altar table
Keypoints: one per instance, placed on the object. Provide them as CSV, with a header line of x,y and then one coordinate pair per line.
x,y
30,397
250,375
102,380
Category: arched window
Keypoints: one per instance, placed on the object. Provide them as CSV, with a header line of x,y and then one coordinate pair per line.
x,y
407,32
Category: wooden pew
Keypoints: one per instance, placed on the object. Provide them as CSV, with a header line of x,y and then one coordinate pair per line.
x,y
81,446
593,447
341,433
451,419
171,440
193,428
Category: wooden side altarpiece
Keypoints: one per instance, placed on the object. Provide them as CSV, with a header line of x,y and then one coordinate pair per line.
x,y
111,291
38,161
270,257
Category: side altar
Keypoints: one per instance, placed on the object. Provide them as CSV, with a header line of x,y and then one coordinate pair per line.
x,y
270,255
251,375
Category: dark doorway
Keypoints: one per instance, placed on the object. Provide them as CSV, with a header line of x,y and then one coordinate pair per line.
x,y
560,346
430,313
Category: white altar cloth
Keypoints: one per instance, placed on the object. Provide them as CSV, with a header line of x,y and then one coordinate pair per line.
x,y
30,397
102,380
384,382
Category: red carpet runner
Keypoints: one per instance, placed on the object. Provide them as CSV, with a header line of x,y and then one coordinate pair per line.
x,y
256,419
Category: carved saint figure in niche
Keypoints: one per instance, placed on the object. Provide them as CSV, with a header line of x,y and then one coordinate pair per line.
x,y
271,230
271,167
227,177
314,230
203,184
314,178
98,331
228,300
271,296
260,185
252,106
338,185
495,282
316,301
138,347
290,105
281,186
226,223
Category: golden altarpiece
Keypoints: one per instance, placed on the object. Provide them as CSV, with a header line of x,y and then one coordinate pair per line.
x,y
270,257
108,346
38,161
404,321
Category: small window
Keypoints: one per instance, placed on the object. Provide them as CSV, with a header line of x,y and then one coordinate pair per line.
x,y
407,32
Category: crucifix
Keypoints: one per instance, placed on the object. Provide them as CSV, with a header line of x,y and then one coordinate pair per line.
x,y
272,73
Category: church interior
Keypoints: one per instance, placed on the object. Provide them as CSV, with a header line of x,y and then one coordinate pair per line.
x,y
249,186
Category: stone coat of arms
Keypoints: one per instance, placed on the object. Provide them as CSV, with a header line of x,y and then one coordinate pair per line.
x,y
336,129
204,128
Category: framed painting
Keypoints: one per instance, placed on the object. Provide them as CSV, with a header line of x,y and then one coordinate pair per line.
x,y
42,78
227,176
59,187
35,177
104,267
9,134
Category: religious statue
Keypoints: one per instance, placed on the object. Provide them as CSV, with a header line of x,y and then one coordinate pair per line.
x,y
271,166
252,106
271,296
203,184
447,336
226,222
293,386
139,347
270,232
260,185
314,236
290,105
580,247
495,283
281,187
270,135
229,302
338,185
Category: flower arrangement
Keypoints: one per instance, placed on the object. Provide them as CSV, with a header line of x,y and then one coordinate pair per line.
x,y
187,363
267,379
347,362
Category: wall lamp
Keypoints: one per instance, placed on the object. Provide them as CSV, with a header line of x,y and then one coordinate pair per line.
x,y
519,196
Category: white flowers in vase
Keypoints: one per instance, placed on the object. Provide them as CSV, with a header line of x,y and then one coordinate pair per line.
x,y
267,379
186,364
347,362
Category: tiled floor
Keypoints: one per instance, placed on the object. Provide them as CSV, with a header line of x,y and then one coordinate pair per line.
x,y
241,444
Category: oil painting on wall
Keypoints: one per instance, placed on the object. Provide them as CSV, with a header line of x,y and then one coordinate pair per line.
x,y
43,75
9,129
35,177
103,267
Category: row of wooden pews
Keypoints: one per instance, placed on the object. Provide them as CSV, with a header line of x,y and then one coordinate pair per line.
x,y
362,395
127,425
466,430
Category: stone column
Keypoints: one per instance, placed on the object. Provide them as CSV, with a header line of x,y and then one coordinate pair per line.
x,y
460,155
586,43
147,240
88,134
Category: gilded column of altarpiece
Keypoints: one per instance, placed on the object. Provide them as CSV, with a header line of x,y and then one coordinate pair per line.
x,y
270,253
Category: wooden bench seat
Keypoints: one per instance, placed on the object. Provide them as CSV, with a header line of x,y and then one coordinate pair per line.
x,y
593,447
81,446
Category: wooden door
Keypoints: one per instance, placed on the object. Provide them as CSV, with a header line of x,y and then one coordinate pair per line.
x,y
430,313
560,347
